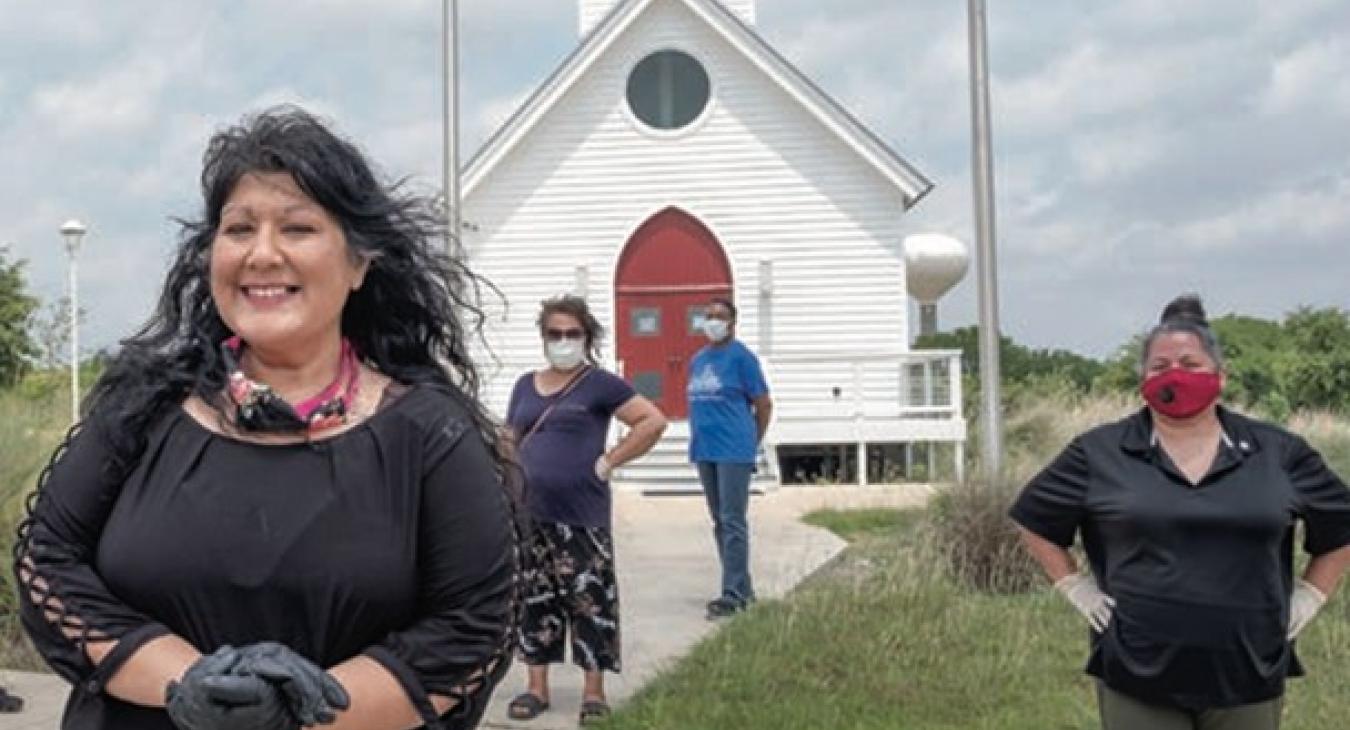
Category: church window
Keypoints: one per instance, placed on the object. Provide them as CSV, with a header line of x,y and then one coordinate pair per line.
x,y
668,90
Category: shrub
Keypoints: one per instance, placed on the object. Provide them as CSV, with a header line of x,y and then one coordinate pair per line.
x,y
979,545
975,539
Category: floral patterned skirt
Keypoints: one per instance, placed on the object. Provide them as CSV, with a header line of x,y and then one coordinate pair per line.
x,y
570,588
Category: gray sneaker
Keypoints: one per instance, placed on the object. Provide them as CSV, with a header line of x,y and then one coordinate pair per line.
x,y
724,608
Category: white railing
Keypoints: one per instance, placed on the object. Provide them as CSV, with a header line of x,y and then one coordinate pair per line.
x,y
862,399
920,384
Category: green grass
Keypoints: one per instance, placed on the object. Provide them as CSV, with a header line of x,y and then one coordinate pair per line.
x,y
880,639
853,524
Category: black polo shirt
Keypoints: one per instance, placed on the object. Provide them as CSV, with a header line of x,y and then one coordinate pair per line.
x,y
1201,574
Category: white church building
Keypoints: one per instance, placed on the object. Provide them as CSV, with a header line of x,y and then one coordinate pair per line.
x,y
675,156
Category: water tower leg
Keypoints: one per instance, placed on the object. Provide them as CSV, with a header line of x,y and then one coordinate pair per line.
x,y
927,319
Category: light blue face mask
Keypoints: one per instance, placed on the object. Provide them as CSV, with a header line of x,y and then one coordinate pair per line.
x,y
716,329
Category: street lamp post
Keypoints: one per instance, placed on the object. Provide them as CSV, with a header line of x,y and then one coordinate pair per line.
x,y
982,162
73,232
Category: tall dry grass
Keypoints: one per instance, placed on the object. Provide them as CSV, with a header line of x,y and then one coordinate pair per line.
x,y
31,425
969,521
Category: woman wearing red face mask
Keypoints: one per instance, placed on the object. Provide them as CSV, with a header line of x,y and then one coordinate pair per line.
x,y
1187,513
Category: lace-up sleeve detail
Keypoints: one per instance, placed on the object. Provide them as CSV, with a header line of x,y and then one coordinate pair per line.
x,y
63,602
468,557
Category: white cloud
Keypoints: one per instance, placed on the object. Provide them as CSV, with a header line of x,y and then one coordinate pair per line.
x,y
1153,16
1116,154
1313,75
183,136
1279,15
119,101
1176,128
66,23
279,95
1090,80
412,148
492,113
1284,219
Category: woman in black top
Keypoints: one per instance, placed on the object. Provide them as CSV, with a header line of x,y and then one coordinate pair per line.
x,y
335,546
1187,512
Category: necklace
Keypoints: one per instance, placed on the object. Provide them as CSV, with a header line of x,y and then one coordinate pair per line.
x,y
259,408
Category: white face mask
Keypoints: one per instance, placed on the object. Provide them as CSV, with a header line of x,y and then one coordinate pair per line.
x,y
565,354
716,329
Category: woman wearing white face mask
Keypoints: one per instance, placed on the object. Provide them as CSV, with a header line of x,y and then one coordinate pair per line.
x,y
559,418
729,411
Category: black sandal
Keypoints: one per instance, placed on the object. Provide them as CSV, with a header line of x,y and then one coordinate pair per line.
x,y
594,711
10,703
526,706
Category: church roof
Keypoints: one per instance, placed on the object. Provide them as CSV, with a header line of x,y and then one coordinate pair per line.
x,y
911,183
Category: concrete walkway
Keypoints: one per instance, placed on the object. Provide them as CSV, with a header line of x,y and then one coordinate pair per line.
x,y
667,572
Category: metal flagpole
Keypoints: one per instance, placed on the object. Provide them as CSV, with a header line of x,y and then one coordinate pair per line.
x,y
450,121
983,175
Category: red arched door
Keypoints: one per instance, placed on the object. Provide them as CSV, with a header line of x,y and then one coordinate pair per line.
x,y
670,268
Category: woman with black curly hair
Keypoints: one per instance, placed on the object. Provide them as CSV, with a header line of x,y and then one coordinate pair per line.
x,y
284,505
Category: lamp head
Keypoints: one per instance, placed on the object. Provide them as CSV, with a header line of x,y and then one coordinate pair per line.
x,y
73,231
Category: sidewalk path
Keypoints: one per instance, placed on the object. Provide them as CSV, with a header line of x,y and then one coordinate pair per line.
x,y
667,572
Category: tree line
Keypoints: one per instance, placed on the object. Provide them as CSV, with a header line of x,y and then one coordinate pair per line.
x,y
1276,367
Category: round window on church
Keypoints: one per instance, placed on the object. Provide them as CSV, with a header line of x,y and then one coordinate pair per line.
x,y
668,89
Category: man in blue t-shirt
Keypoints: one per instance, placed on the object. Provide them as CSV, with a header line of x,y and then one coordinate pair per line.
x,y
729,411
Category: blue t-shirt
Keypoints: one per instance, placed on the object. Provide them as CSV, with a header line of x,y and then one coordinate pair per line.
x,y
559,458
723,381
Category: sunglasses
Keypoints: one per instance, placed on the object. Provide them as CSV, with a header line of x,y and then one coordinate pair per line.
x,y
553,335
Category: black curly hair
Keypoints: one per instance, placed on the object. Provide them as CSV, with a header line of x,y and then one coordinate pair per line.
x,y
412,318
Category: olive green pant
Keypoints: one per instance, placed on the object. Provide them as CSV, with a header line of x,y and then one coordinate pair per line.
x,y
1123,712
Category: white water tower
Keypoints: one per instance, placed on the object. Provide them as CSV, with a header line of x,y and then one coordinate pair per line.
x,y
934,263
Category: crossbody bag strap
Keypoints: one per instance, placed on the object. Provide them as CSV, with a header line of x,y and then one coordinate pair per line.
x,y
557,399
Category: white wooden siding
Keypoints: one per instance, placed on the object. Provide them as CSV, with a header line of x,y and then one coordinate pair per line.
x,y
763,174
590,12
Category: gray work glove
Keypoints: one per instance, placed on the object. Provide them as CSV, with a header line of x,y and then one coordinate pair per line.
x,y
1083,593
211,697
1304,604
312,694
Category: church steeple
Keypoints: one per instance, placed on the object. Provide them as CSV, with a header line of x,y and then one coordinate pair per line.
x,y
591,12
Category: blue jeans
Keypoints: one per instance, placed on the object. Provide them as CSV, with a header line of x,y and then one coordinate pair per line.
x,y
727,488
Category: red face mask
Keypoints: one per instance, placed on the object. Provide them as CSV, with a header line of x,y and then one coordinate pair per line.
x,y
1181,393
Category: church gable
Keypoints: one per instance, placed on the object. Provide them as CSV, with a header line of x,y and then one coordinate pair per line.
x,y
806,224
601,89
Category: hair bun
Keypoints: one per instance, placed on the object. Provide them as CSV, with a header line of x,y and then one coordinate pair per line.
x,y
1185,308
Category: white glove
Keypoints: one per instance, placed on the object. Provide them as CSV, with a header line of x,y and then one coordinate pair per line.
x,y
1083,593
603,468
1304,604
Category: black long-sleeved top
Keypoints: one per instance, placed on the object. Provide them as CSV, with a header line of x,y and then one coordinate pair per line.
x,y
392,539
1202,574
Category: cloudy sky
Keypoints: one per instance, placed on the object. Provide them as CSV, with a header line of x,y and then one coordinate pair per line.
x,y
1144,147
